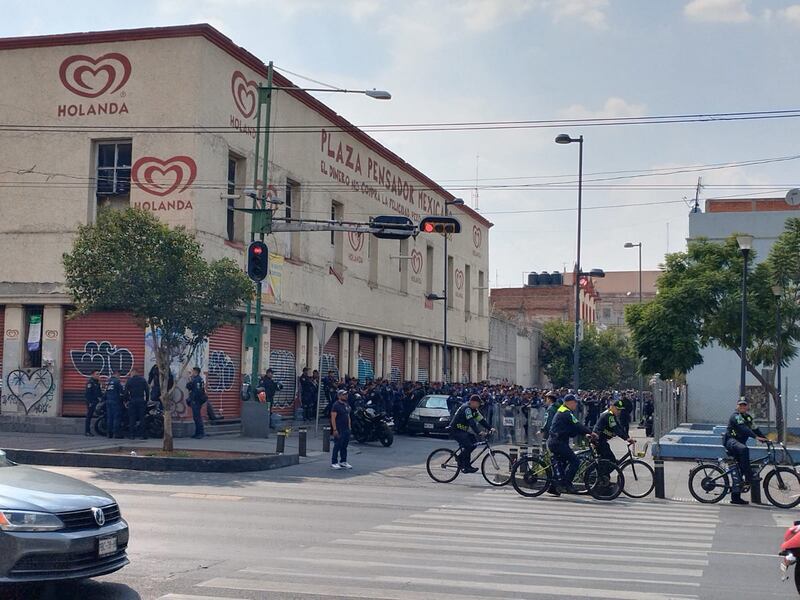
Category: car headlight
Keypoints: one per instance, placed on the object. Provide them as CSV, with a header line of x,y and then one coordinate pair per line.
x,y
414,417
21,520
444,419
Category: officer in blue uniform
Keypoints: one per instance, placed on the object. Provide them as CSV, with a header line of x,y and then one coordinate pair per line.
x,y
114,395
740,428
464,429
552,403
93,395
197,397
565,426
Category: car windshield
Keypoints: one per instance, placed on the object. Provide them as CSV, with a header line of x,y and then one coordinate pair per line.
x,y
434,402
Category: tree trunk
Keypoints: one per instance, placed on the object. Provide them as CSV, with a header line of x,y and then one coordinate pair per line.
x,y
161,351
776,401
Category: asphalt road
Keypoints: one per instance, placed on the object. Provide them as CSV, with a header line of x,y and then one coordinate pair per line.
x,y
384,530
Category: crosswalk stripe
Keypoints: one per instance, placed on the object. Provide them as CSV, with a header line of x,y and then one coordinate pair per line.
x,y
447,570
555,518
576,546
551,552
577,510
544,536
515,559
588,503
403,594
534,526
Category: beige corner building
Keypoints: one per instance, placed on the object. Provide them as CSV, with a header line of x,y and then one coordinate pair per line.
x,y
163,119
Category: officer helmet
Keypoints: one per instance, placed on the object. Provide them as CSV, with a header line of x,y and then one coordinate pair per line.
x,y
570,398
619,404
476,398
742,401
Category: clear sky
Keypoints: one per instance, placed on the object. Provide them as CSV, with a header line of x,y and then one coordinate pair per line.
x,y
500,60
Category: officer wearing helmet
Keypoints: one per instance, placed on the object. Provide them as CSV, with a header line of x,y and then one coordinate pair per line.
x,y
608,426
740,428
565,426
464,429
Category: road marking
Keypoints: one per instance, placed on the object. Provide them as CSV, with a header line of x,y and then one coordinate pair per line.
x,y
460,549
585,512
616,540
534,526
587,503
219,497
446,570
405,594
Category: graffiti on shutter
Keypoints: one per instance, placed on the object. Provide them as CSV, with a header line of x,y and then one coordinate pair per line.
x,y
330,356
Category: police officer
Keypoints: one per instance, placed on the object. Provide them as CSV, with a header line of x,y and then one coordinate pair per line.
x,y
197,397
464,429
607,427
138,394
552,404
93,394
740,428
566,425
114,395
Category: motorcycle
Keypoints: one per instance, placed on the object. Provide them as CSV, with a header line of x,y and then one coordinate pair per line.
x,y
153,420
790,550
370,425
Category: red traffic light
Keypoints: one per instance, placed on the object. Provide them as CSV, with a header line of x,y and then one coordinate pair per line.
x,y
428,227
443,225
257,261
258,250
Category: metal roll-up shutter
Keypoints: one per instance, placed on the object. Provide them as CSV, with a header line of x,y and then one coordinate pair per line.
x,y
366,357
104,341
224,381
330,356
424,367
465,366
398,361
283,362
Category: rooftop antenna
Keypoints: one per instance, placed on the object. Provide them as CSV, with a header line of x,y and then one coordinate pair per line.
x,y
696,208
475,191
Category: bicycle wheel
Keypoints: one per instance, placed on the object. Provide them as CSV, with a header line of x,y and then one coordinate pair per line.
x,y
782,487
708,483
496,468
640,478
442,465
579,481
604,480
530,477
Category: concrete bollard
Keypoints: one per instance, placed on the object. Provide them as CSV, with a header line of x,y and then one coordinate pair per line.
x,y
513,453
755,489
301,441
659,479
523,452
326,439
281,443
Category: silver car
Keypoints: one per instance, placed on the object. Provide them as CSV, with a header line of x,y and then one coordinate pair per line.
x,y
431,415
53,527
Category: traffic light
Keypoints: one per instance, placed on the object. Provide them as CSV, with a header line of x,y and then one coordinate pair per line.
x,y
443,225
257,261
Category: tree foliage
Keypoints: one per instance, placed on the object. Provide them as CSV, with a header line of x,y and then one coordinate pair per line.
x,y
699,304
607,360
130,261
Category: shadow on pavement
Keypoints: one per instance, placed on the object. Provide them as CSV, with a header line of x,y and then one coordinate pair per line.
x,y
80,590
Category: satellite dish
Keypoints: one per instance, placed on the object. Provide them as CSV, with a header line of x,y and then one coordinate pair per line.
x,y
793,197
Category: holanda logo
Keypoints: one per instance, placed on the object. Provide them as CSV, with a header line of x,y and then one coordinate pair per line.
x,y
162,177
92,77
459,279
416,261
245,94
476,236
356,240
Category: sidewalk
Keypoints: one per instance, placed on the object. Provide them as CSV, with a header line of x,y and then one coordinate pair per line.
x,y
230,443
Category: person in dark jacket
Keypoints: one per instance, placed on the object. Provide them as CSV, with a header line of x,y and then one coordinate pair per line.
x,y
270,386
741,427
138,394
552,404
93,395
565,426
607,427
154,381
308,394
197,397
114,395
464,429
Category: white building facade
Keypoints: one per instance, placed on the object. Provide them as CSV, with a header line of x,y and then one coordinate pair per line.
x,y
164,119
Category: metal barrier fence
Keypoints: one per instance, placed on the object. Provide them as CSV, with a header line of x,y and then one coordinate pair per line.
x,y
516,425
669,406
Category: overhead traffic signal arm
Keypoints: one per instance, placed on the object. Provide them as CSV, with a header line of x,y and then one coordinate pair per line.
x,y
443,225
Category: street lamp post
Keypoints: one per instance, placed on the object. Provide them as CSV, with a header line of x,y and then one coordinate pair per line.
x,y
261,216
639,246
745,245
563,138
447,205
777,290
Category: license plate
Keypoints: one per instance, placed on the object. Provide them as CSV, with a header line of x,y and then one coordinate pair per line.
x,y
106,546
428,425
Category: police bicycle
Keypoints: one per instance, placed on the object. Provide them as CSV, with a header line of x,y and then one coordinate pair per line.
x,y
640,477
443,465
531,476
710,482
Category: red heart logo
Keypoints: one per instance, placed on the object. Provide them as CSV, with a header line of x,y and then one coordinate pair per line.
x,y
92,77
162,177
416,261
459,278
476,236
356,240
245,93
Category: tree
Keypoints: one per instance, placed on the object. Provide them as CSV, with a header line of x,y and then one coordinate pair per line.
x,y
606,357
699,304
130,261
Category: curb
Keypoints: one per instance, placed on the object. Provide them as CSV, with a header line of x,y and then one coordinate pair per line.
x,y
151,463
